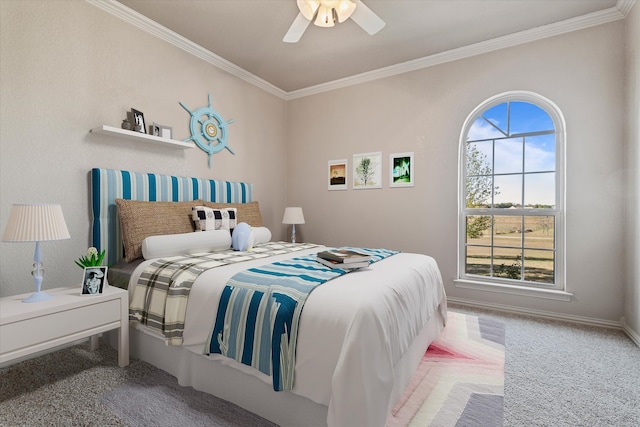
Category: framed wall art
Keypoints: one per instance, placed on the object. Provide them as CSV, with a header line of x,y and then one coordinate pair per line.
x,y
401,170
337,175
367,170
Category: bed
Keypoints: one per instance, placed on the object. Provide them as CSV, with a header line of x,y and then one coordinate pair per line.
x,y
361,335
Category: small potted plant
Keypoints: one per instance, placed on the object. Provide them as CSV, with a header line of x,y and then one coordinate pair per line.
x,y
95,275
91,259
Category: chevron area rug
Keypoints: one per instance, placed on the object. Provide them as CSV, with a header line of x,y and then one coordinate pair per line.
x,y
460,380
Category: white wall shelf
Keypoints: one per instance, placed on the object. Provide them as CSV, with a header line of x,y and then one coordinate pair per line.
x,y
138,136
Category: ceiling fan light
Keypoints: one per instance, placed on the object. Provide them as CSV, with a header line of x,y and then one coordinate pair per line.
x,y
324,17
344,9
308,8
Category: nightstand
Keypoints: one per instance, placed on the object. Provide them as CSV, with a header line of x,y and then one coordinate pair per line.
x,y
27,328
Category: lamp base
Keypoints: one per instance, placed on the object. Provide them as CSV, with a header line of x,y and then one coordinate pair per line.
x,y
38,297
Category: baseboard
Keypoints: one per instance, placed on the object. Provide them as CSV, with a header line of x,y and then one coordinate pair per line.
x,y
540,314
635,337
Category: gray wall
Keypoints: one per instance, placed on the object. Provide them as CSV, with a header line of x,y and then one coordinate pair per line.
x,y
632,154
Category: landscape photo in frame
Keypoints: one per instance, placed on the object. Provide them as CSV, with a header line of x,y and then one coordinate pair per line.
x,y
367,170
337,175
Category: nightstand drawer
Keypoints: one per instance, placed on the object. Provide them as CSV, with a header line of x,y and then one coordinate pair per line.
x,y
52,326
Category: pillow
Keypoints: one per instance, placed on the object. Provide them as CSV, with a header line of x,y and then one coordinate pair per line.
x,y
208,219
247,212
185,243
242,237
261,235
245,237
142,219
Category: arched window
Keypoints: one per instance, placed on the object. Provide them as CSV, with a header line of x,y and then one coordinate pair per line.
x,y
511,193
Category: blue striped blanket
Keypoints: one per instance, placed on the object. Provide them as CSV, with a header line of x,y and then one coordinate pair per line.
x,y
161,294
259,312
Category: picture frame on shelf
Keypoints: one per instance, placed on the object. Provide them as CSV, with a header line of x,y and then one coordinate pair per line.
x,y
166,132
337,176
93,280
138,120
154,129
367,170
401,170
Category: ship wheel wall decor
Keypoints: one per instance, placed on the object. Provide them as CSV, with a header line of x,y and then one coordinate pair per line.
x,y
208,130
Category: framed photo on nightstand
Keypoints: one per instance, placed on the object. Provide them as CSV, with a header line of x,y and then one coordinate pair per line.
x,y
93,280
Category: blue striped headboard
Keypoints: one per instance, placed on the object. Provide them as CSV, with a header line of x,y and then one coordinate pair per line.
x,y
107,185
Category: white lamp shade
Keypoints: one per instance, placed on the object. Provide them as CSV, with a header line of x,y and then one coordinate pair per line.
x,y
293,215
35,223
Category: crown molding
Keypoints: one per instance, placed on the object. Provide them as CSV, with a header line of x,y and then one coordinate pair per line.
x,y
142,22
620,11
624,6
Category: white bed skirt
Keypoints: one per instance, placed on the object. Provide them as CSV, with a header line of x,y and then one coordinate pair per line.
x,y
247,391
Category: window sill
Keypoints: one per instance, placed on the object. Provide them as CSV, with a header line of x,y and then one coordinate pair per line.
x,y
513,290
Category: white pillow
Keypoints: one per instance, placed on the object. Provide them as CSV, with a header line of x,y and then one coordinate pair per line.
x,y
261,235
184,243
245,237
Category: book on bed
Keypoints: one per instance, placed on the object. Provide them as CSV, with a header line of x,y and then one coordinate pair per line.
x,y
344,256
337,264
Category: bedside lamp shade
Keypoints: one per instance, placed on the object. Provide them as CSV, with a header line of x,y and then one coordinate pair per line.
x,y
293,216
36,223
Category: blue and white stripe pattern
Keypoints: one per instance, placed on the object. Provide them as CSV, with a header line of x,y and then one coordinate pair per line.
x,y
109,184
259,312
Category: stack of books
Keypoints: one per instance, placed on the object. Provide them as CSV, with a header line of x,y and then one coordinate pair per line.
x,y
343,258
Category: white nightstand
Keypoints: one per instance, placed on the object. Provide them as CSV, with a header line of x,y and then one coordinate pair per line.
x,y
27,328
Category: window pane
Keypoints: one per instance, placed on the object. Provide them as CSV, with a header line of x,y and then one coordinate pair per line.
x,y
478,260
507,231
508,155
478,193
479,229
498,116
526,117
540,153
479,158
539,266
540,190
507,263
508,191
539,232
481,129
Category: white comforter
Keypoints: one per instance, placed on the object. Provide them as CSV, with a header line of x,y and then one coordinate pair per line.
x,y
353,330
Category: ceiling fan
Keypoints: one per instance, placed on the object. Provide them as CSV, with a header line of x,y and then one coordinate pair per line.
x,y
327,12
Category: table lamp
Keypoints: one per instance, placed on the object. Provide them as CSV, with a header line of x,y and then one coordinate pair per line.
x,y
293,216
36,223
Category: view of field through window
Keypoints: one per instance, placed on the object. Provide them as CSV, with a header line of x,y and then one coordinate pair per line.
x,y
510,194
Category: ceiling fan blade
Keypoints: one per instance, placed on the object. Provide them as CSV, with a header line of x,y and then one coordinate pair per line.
x,y
369,21
297,29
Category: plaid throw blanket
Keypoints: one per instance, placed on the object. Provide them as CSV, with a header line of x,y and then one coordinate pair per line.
x,y
162,291
259,312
